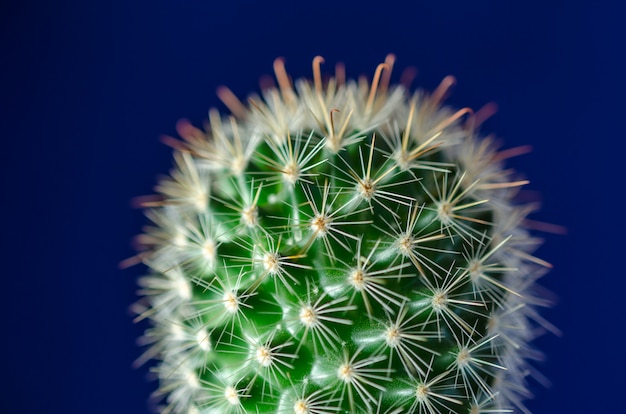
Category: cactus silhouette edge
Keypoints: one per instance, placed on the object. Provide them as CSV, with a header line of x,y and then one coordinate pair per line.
x,y
340,246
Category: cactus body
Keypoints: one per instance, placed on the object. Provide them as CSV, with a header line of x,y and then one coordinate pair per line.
x,y
339,247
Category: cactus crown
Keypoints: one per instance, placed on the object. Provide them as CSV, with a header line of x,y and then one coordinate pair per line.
x,y
339,246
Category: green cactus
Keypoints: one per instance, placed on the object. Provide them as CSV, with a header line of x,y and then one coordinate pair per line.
x,y
339,247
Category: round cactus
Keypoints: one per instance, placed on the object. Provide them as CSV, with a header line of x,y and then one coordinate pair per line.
x,y
339,247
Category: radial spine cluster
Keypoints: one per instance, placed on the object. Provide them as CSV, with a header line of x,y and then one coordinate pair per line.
x,y
338,246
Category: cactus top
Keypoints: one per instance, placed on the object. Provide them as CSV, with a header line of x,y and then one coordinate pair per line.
x,y
338,246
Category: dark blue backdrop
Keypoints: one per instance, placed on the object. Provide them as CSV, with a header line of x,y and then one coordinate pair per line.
x,y
88,87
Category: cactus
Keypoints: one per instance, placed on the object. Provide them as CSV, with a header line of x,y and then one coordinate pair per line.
x,y
339,247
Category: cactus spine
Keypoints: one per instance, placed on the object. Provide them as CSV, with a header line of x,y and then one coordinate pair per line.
x,y
339,247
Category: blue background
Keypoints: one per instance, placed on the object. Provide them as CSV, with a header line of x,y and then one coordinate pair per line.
x,y
87,89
